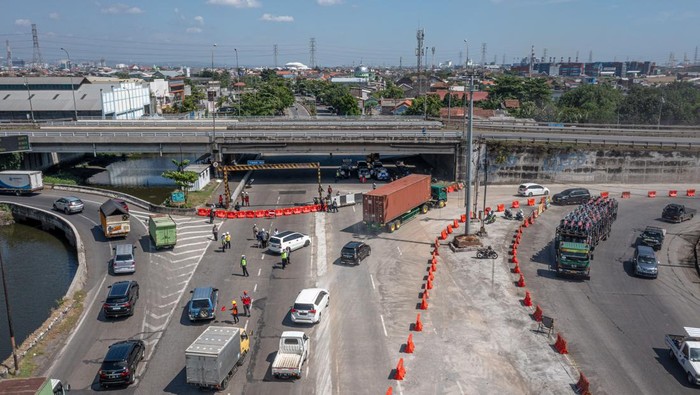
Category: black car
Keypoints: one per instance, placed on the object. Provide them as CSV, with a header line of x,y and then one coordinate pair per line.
x,y
120,364
121,299
653,237
355,252
572,196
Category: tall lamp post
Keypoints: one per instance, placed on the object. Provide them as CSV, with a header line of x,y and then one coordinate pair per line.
x,y
212,57
9,316
29,95
468,158
238,73
72,88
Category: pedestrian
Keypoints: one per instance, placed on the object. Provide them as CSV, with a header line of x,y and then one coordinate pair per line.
x,y
276,232
289,256
221,200
237,206
284,259
255,231
335,206
337,175
234,311
330,190
247,301
212,214
266,239
223,243
244,266
374,185
247,199
228,240
215,232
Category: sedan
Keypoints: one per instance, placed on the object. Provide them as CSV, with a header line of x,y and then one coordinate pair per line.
x,y
532,189
69,205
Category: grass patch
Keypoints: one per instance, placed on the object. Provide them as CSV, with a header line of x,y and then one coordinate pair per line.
x,y
203,197
62,178
37,356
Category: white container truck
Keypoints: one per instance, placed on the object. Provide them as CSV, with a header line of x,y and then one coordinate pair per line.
x,y
213,358
21,181
291,355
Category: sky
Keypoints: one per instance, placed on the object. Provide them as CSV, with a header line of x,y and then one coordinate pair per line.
x,y
375,33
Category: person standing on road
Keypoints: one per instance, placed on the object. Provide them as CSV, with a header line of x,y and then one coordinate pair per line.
x,y
244,266
215,232
330,191
247,199
255,231
374,185
221,200
247,301
284,259
228,240
334,205
212,214
276,232
223,242
289,255
234,311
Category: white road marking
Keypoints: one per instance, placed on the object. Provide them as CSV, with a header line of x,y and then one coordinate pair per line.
x,y
278,199
461,391
321,260
259,271
398,384
400,253
194,233
383,326
180,246
353,209
186,252
245,327
337,375
255,288
372,280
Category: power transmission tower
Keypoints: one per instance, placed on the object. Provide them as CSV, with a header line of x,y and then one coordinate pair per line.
x,y
544,55
400,62
576,56
483,54
532,60
312,44
590,56
35,41
504,59
9,54
685,59
495,59
274,50
695,60
432,61
419,55
671,60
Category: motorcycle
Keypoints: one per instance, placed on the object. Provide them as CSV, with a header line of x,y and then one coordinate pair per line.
x,y
491,218
249,184
508,214
519,216
486,253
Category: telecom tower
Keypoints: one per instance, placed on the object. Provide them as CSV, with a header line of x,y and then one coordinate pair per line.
x,y
576,56
312,45
9,55
544,55
419,55
590,56
671,60
35,41
532,60
274,51
400,62
504,59
432,60
483,54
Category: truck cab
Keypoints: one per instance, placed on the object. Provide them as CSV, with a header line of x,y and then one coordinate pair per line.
x,y
438,195
686,350
574,258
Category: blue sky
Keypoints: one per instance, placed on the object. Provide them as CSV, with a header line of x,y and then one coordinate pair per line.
x,y
349,32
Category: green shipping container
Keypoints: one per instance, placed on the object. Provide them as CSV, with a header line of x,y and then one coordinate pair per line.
x,y
163,230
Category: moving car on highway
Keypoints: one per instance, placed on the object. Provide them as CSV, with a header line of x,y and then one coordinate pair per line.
x,y
572,196
309,305
677,213
288,240
120,364
645,263
653,237
203,304
69,205
354,252
686,350
121,299
123,260
292,352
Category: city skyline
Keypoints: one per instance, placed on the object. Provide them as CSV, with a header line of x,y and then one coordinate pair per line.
x,y
351,32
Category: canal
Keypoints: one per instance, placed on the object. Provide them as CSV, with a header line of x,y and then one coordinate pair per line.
x,y
39,267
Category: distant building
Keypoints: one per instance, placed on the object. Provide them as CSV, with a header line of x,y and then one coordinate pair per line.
x,y
296,66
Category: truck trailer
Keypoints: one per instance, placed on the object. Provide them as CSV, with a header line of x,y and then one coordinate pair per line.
x,y
21,181
213,358
391,205
163,231
114,219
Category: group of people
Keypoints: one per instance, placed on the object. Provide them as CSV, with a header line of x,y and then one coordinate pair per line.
x,y
246,300
225,241
262,236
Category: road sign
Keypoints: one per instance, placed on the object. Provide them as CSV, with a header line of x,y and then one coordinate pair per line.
x,y
215,164
14,143
256,162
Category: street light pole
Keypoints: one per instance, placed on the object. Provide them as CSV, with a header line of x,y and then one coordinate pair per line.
x,y
72,88
212,58
661,107
238,73
29,95
9,316
469,153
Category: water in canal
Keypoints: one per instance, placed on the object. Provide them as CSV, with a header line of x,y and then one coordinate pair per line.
x,y
40,267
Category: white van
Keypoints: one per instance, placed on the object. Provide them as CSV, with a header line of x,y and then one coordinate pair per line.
x,y
309,305
288,240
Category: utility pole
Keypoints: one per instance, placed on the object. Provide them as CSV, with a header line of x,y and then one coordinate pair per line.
x,y
72,88
274,52
419,55
590,56
9,316
468,189
427,86
432,61
212,58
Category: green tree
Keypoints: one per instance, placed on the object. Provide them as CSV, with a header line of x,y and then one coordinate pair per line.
x,y
432,109
537,91
391,92
11,161
590,104
183,179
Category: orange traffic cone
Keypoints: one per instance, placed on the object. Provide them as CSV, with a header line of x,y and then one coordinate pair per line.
x,y
455,224
426,294
431,276
429,284
528,300
521,281
433,261
418,326
389,391
400,370
443,235
516,269
410,347
423,303
433,267
449,229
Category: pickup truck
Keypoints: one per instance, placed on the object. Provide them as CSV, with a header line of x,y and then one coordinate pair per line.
x,y
677,213
653,237
291,355
686,350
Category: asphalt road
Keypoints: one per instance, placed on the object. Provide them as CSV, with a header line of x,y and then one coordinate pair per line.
x,y
615,323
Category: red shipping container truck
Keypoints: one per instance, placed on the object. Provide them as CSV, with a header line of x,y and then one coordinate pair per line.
x,y
397,202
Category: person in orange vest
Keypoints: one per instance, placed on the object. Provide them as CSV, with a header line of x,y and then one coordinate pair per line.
x,y
234,311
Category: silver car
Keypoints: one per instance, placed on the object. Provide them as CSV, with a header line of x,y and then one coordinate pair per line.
x,y
69,205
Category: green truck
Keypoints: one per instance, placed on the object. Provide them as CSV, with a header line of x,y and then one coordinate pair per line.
x,y
574,258
33,386
163,231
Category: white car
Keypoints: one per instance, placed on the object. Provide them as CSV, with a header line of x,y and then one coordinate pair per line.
x,y
288,240
532,189
309,305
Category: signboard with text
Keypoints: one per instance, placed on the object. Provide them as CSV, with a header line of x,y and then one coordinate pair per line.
x,y
14,144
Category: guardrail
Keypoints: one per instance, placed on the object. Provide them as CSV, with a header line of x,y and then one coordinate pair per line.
x,y
687,132
612,142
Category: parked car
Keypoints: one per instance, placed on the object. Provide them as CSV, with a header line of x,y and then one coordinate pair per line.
x,y
401,171
572,196
203,304
288,240
309,305
364,172
382,174
121,299
69,205
645,263
123,260
354,252
532,189
120,364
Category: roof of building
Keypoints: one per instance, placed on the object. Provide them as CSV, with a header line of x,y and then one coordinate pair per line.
x,y
511,103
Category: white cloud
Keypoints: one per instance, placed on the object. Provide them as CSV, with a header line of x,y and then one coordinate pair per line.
x,y
329,2
237,3
54,16
23,22
275,18
199,19
193,30
120,8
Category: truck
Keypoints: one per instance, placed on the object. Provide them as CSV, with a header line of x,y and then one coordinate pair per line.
x,y
33,386
213,358
677,213
21,182
162,230
114,219
292,353
579,232
653,236
397,202
686,350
